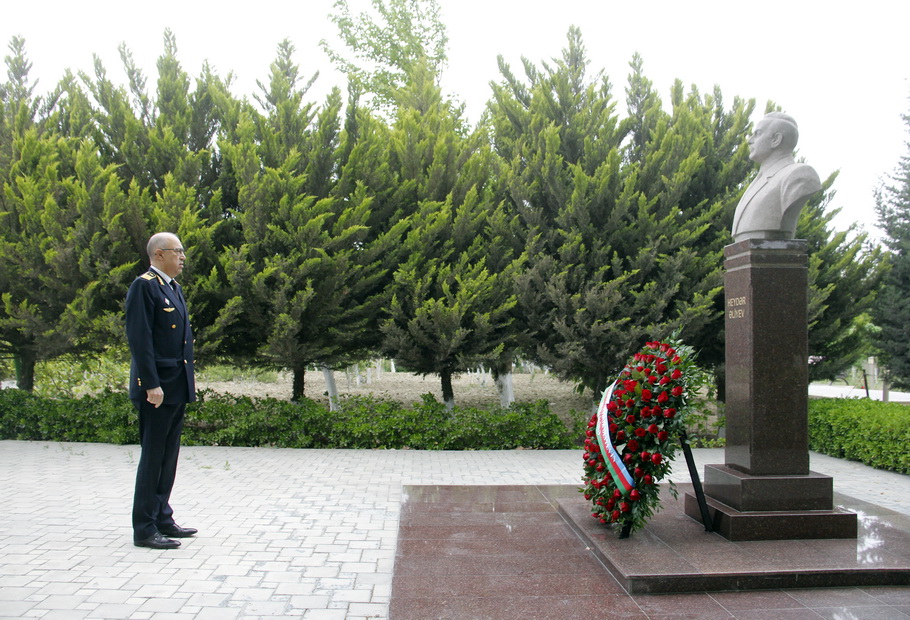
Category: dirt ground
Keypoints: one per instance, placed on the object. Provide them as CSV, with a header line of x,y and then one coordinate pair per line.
x,y
471,389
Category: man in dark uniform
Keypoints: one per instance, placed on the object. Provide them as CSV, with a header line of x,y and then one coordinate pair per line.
x,y
161,383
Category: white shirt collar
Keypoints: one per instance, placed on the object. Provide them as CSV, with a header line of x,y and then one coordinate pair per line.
x,y
167,279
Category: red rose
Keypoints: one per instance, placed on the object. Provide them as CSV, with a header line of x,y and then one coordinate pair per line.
x,y
677,359
661,369
630,419
600,467
589,433
630,403
630,385
677,391
639,472
620,436
653,429
610,503
613,426
617,493
662,398
647,371
657,458
664,347
612,407
634,495
663,436
669,413
625,507
676,374
664,380
593,422
657,411
646,456
588,496
615,515
640,432
646,395
652,379
632,445
627,458
647,479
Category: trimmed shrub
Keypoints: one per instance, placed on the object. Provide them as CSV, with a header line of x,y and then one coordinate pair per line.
x,y
871,432
227,420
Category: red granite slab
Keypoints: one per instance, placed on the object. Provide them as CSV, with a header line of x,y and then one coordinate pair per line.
x,y
516,557
675,554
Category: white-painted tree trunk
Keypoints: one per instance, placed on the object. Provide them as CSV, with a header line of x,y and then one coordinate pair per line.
x,y
331,388
506,389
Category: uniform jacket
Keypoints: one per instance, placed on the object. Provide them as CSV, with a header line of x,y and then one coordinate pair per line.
x,y
770,206
160,339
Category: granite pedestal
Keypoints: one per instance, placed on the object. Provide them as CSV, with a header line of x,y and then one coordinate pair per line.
x,y
765,490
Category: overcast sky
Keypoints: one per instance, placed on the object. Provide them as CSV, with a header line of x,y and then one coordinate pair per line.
x,y
840,69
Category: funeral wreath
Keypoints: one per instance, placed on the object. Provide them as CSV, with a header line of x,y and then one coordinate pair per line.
x,y
635,433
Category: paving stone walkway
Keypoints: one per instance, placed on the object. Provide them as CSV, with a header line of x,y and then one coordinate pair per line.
x,y
283,533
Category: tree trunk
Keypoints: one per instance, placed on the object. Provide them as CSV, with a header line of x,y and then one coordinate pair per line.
x,y
24,363
331,388
448,394
503,378
298,383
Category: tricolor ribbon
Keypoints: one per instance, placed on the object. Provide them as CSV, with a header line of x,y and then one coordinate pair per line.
x,y
621,476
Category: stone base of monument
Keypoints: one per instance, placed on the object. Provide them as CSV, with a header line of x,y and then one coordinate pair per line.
x,y
674,553
745,507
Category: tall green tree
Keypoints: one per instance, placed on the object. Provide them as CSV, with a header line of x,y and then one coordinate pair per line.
x,y
452,295
304,281
388,43
845,272
621,215
65,228
162,145
892,310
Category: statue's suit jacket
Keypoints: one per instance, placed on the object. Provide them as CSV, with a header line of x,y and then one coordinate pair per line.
x,y
769,209
161,340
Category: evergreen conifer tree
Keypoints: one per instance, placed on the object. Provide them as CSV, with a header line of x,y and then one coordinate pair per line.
x,y
892,310
452,295
623,239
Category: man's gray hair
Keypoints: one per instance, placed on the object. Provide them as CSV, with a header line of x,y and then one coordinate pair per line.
x,y
157,242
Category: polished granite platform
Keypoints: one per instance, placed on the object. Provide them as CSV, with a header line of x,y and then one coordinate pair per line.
x,y
674,553
502,552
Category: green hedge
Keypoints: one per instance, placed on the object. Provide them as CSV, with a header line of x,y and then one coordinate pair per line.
x,y
225,420
868,431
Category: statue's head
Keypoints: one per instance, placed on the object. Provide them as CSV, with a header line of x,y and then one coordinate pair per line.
x,y
776,134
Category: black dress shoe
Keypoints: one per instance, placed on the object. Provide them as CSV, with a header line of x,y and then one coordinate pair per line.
x,y
157,541
175,531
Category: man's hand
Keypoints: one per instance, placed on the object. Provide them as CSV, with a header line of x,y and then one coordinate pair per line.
x,y
155,396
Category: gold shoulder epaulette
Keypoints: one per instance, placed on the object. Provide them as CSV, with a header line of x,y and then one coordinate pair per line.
x,y
148,276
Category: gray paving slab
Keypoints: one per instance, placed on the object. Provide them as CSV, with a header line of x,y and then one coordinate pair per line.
x,y
283,533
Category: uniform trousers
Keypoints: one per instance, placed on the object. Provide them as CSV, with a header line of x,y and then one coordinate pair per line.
x,y
159,436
